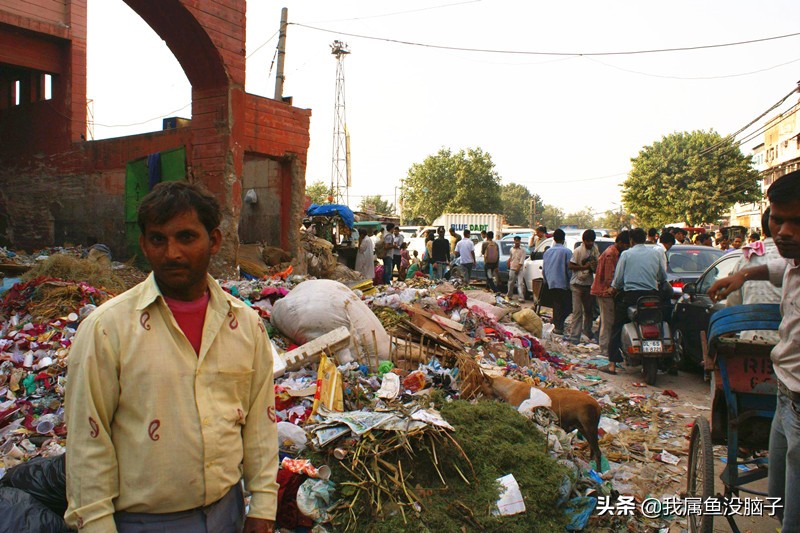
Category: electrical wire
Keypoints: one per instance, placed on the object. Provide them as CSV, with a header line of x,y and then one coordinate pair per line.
x,y
532,52
691,77
122,125
262,45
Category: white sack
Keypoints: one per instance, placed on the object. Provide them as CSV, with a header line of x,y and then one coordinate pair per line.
x,y
317,307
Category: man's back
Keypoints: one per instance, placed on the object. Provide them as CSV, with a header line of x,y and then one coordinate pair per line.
x,y
555,266
440,249
465,250
639,269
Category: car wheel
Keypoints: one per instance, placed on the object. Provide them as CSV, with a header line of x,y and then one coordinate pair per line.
x,y
681,357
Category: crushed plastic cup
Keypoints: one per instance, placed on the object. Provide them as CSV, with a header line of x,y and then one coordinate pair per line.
x,y
415,381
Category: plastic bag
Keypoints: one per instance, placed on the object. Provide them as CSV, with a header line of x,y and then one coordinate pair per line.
x,y
44,478
317,307
529,320
329,387
22,513
291,438
313,498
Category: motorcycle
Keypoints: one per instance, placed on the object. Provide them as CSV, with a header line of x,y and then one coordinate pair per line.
x,y
647,338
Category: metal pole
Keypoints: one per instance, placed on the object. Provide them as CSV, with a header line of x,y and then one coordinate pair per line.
x,y
279,76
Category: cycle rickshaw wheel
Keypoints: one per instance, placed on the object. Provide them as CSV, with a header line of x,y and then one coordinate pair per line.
x,y
700,482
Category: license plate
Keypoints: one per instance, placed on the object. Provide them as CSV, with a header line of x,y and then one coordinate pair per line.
x,y
652,346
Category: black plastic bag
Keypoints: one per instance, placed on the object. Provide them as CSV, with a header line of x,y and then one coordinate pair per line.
x,y
20,512
44,478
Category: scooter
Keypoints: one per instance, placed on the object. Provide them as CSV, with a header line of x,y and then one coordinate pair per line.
x,y
647,338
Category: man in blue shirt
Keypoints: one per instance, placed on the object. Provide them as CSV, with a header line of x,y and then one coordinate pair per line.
x,y
639,273
557,276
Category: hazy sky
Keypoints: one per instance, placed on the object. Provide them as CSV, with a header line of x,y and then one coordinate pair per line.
x,y
564,126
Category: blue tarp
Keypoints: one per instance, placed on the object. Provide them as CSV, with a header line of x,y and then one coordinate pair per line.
x,y
327,210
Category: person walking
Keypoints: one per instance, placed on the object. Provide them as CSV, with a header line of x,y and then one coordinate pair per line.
x,y
784,272
170,397
440,253
583,264
556,272
465,250
515,261
491,260
365,260
601,289
397,258
454,238
388,254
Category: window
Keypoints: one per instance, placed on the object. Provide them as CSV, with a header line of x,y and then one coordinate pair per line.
x,y
48,87
722,270
17,94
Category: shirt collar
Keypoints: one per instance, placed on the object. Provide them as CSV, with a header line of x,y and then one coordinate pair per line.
x,y
217,297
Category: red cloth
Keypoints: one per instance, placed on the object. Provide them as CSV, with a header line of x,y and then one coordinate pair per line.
x,y
190,316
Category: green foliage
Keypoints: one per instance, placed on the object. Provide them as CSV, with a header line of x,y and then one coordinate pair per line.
x,y
498,441
583,219
517,204
551,217
689,176
376,204
616,220
318,192
464,182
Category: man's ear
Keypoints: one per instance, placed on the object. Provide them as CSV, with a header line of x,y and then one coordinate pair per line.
x,y
216,240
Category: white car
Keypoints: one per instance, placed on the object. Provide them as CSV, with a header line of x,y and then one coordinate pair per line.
x,y
532,269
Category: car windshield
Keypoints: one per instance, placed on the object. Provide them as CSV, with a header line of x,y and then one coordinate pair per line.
x,y
720,270
505,247
682,260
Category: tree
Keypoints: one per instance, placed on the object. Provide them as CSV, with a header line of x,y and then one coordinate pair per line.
x,y
581,219
464,182
318,192
376,204
692,177
552,217
616,220
517,204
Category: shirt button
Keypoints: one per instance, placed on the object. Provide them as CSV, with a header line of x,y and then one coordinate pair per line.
x,y
205,421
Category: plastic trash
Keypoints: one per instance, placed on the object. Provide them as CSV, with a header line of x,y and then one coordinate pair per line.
x,y
390,387
610,426
415,381
578,510
511,501
44,478
22,513
291,438
314,497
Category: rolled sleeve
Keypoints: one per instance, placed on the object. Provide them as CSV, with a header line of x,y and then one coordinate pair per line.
x,y
91,399
260,436
777,270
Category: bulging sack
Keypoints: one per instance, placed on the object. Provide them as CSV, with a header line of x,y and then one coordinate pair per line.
x,y
317,307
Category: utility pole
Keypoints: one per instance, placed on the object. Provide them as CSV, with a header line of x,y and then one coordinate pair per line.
x,y
279,76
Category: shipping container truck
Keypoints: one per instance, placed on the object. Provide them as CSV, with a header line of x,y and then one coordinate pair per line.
x,y
474,222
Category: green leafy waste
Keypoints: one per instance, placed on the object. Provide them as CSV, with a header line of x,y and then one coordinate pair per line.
x,y
497,441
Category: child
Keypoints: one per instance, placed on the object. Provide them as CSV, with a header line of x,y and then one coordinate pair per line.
x,y
415,258
405,261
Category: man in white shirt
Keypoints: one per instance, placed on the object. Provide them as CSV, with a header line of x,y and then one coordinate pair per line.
x,y
784,438
465,251
583,264
515,262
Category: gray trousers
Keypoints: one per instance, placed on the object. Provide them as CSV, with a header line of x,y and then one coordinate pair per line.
x,y
581,312
223,516
606,322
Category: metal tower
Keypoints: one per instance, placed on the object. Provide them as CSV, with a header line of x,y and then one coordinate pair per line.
x,y
340,162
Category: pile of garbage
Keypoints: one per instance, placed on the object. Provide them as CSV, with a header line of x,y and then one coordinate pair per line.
x,y
382,424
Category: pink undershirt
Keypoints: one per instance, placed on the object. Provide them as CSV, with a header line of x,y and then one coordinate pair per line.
x,y
190,316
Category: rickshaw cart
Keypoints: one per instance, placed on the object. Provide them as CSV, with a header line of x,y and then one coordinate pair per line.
x,y
744,398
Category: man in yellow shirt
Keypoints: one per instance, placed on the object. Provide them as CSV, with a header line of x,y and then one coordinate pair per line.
x,y
169,397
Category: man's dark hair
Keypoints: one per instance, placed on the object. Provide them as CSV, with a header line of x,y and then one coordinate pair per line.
x,y
589,235
440,230
673,230
558,236
517,238
638,235
703,237
765,223
755,236
389,226
785,189
490,234
680,230
624,236
652,232
543,229
667,238
466,233
171,198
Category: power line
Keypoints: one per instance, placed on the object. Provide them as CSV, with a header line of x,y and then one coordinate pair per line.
x,y
262,45
532,52
693,77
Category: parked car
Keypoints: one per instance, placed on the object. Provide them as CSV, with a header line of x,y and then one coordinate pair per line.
x,y
479,270
685,264
694,309
532,269
524,237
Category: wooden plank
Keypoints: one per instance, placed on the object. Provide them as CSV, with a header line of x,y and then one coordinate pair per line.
x,y
311,351
452,324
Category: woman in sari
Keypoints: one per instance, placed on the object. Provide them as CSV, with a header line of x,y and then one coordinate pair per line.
x,y
365,259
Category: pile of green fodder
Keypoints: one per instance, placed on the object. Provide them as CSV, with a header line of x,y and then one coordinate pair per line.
x,y
429,481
